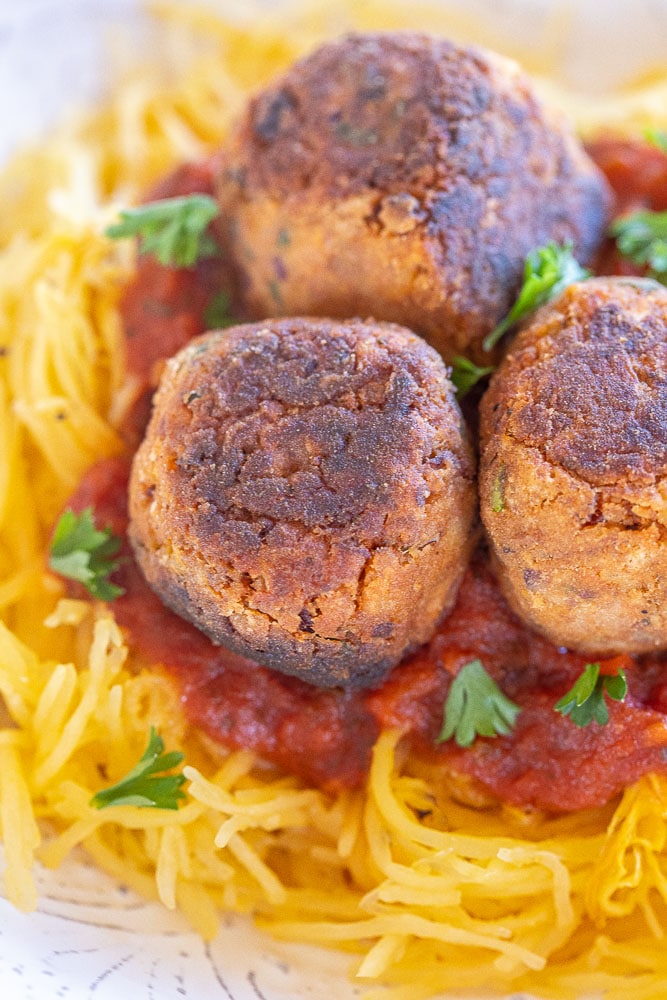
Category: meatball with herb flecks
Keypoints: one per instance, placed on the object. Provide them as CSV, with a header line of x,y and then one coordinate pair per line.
x,y
573,468
404,177
305,494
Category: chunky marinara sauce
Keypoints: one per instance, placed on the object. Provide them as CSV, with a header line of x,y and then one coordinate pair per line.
x,y
326,736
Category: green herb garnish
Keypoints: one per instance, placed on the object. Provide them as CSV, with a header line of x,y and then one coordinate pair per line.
x,y
656,137
466,374
217,316
585,702
79,551
642,238
547,272
498,490
173,229
475,706
146,785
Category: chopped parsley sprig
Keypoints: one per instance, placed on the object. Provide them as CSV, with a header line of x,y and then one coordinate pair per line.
x,y
172,229
475,706
217,315
585,701
81,552
466,374
547,272
642,238
147,785
656,137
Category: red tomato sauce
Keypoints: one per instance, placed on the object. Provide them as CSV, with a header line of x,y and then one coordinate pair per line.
x,y
637,173
163,307
326,736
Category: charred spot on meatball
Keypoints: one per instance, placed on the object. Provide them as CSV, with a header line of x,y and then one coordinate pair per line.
x,y
404,177
305,494
573,468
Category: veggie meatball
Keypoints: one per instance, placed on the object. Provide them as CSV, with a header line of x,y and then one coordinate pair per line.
x,y
403,177
304,494
573,477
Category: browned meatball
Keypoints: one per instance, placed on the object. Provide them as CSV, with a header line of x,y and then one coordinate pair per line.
x,y
403,177
573,477
305,494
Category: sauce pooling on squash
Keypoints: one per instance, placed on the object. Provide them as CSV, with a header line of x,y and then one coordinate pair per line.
x,y
326,736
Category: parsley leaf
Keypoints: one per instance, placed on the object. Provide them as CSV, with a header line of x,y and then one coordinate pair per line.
x,y
656,137
584,702
173,229
547,272
642,238
217,315
466,374
142,786
475,706
80,552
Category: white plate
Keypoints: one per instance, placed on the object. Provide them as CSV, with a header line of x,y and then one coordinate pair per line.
x,y
90,939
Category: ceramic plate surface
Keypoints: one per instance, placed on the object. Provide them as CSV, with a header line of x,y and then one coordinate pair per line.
x,y
90,939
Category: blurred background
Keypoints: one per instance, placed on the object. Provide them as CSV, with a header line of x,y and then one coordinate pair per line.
x,y
54,53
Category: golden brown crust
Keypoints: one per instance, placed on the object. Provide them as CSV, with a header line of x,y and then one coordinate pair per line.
x,y
573,468
305,495
404,177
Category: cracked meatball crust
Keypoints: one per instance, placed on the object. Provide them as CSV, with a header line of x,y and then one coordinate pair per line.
x,y
404,177
305,494
573,468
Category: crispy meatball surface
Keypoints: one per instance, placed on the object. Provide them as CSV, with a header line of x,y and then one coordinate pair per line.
x,y
404,177
304,494
573,477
